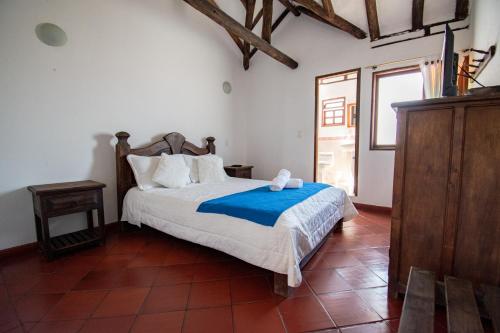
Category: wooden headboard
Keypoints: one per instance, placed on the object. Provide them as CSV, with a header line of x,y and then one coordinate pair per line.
x,y
172,143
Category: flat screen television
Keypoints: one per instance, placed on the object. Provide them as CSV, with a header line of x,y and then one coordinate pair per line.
x,y
450,64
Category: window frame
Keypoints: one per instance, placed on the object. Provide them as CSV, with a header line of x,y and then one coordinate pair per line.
x,y
324,110
375,92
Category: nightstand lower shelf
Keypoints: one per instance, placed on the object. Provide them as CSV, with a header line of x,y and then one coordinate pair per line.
x,y
73,240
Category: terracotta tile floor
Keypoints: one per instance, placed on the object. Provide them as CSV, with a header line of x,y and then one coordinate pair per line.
x,y
145,281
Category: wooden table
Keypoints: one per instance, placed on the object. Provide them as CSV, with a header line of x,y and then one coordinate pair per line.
x,y
58,199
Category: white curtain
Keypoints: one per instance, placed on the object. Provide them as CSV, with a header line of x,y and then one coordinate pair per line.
x,y
431,71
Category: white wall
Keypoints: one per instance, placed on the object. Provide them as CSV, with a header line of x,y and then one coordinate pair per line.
x,y
486,32
280,108
148,67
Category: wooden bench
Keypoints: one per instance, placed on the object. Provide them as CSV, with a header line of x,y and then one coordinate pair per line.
x,y
461,303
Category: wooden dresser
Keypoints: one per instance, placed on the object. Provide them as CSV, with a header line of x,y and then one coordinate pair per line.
x,y
446,200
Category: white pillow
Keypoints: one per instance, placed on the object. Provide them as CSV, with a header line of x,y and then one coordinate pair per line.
x,y
192,163
211,169
172,171
143,168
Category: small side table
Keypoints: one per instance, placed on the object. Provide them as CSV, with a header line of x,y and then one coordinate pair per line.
x,y
239,171
52,200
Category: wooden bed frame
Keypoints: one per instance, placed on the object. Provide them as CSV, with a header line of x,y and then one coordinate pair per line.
x,y
175,143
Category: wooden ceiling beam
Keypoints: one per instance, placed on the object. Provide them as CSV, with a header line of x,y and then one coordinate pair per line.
x,y
371,14
290,7
228,23
274,26
250,9
235,38
417,16
313,9
327,5
257,18
461,9
267,23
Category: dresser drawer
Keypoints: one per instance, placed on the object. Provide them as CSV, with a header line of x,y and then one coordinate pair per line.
x,y
77,201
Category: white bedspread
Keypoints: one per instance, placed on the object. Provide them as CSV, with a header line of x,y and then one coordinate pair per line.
x,y
280,248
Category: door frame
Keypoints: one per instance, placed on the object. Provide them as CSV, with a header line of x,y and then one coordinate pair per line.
x,y
316,122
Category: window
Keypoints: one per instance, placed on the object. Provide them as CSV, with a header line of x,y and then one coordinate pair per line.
x,y
351,115
391,86
334,112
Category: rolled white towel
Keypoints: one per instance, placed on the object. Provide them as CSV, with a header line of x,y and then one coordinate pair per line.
x,y
294,183
279,182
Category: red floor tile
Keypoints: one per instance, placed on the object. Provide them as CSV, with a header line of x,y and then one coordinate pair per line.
x,y
371,256
34,307
262,317
105,325
122,302
137,277
347,308
167,298
209,294
382,271
131,246
147,260
76,305
302,290
99,280
114,262
250,289
368,328
302,314
326,281
216,320
332,260
77,264
239,268
181,256
174,275
57,282
8,319
170,322
211,271
360,277
111,286
377,298
67,326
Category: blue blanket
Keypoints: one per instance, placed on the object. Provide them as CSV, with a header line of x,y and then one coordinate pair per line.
x,y
260,205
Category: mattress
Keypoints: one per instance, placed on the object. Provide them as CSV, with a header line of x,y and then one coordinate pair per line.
x,y
279,249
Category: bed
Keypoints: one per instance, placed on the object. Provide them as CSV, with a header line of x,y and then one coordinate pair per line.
x,y
283,249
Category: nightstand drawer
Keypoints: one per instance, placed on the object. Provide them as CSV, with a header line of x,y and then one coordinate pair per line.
x,y
64,203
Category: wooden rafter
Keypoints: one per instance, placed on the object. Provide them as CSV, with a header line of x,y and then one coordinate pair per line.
x,y
371,14
235,38
257,18
290,7
462,9
315,10
230,24
250,9
274,26
417,16
327,5
267,23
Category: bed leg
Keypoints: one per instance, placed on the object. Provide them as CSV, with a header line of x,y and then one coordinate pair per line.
x,y
338,227
281,284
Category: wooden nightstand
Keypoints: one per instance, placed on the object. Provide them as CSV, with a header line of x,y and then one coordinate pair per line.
x,y
52,200
239,171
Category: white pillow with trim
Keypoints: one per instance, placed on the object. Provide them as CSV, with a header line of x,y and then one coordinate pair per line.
x,y
211,169
143,168
172,171
192,163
